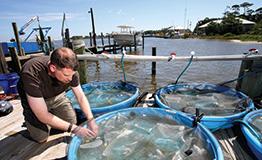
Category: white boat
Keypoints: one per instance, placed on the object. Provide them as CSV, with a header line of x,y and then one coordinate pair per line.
x,y
126,36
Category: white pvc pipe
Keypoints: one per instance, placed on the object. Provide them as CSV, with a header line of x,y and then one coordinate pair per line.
x,y
117,57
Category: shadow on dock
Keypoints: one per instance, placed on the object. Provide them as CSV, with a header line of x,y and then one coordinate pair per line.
x,y
15,142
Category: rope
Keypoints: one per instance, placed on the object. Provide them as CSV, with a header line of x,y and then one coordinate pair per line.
x,y
238,78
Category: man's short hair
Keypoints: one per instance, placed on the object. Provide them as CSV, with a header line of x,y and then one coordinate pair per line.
x,y
64,58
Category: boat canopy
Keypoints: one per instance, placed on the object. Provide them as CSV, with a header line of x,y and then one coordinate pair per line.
x,y
125,28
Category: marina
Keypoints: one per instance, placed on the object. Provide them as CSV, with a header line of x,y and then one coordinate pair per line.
x,y
232,143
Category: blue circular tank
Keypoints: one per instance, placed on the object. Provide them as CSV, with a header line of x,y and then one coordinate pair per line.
x,y
105,97
252,129
212,122
205,136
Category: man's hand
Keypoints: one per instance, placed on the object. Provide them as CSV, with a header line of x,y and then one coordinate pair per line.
x,y
84,132
93,126
91,131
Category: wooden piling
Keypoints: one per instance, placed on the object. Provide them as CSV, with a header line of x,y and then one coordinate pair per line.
x,y
143,41
102,39
51,47
20,51
251,83
109,40
3,64
114,47
90,39
82,70
135,41
154,63
15,59
67,39
93,27
153,82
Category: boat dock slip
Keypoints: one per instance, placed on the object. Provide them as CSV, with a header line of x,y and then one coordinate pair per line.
x,y
16,144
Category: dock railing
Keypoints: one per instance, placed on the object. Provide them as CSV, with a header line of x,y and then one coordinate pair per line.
x,y
132,58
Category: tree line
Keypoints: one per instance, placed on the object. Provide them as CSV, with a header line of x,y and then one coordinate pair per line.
x,y
231,23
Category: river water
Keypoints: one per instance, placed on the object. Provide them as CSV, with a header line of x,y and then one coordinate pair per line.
x,y
167,72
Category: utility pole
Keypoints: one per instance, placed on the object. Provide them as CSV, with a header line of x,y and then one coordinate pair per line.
x,y
93,27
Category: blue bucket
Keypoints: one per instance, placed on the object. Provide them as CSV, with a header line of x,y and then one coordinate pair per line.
x,y
211,122
9,83
253,136
204,134
98,110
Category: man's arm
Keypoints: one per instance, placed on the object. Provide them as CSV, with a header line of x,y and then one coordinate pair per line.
x,y
39,108
84,104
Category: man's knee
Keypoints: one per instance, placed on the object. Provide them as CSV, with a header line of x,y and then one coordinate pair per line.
x,y
39,138
38,133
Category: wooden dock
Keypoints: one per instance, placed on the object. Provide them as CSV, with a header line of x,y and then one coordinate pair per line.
x,y
16,144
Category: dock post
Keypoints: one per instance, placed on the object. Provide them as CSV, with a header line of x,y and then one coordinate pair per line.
x,y
90,39
143,41
114,47
251,83
109,41
102,39
3,64
153,82
154,63
67,38
16,62
20,51
82,70
135,41
50,44
93,26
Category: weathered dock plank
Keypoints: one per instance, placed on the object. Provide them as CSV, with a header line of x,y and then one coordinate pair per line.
x,y
233,144
16,144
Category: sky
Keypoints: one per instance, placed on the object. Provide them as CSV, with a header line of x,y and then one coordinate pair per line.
x,y
141,14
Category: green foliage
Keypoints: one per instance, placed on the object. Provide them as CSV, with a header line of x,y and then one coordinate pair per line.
x,y
248,37
231,25
213,29
229,35
257,30
229,28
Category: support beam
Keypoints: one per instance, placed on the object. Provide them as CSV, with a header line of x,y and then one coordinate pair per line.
x,y
3,64
16,62
19,47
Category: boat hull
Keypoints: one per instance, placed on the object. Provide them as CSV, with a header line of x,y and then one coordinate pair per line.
x,y
127,39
